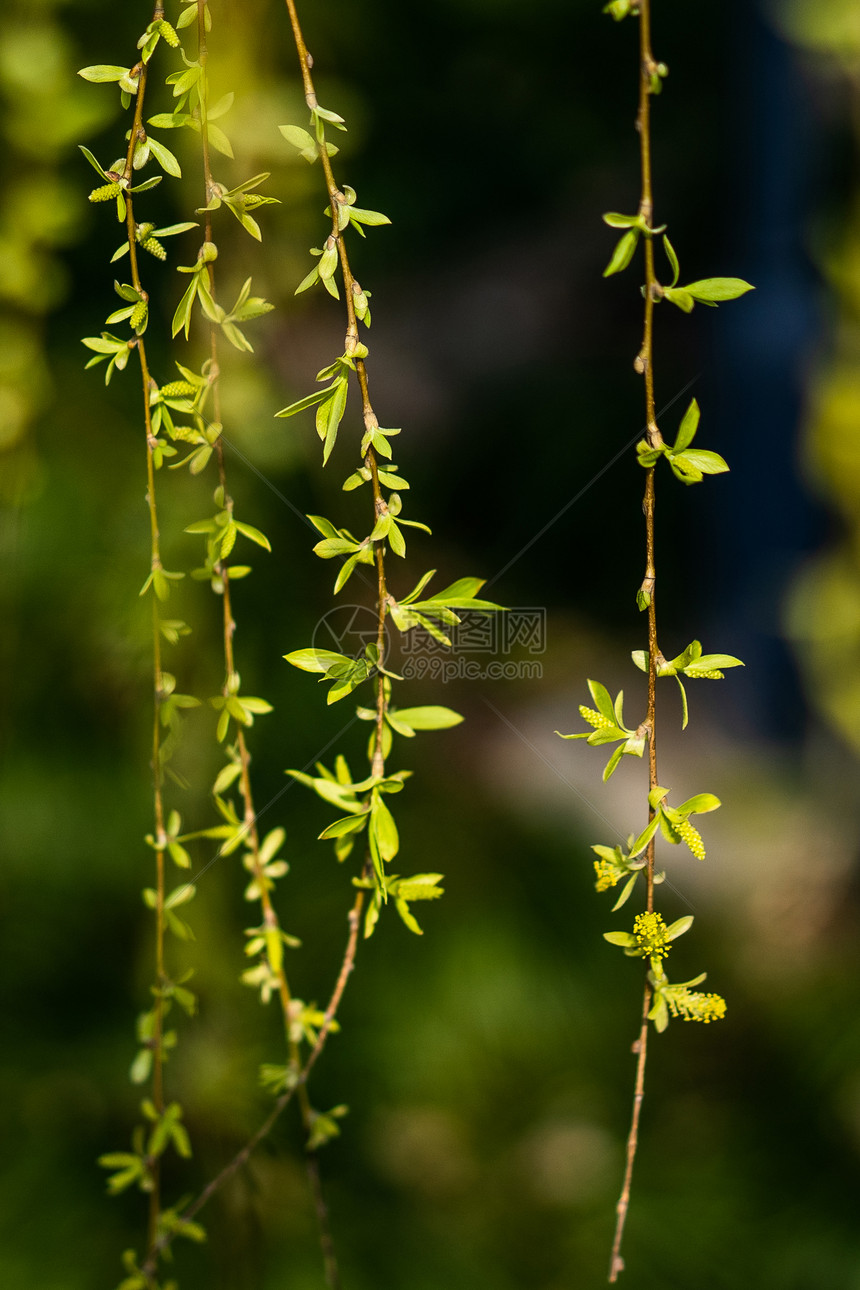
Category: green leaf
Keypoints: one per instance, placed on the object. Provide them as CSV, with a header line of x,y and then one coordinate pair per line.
x,y
460,593
101,73
396,540
709,463
382,821
711,663
614,220
678,296
711,290
681,925
626,892
349,824
418,588
700,804
672,258
659,1014
428,718
254,534
685,715
146,185
329,548
316,660
308,402
221,108
688,426
91,159
330,415
182,316
625,939
602,700
301,140
360,216
312,278
623,253
644,838
324,526
612,764
331,117
165,158
222,144
168,120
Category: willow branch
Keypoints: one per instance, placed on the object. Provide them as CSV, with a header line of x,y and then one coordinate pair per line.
x,y
350,287
268,912
242,1156
645,364
252,842
157,1041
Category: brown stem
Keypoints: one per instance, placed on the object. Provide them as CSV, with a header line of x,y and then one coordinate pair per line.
x,y
645,364
640,1047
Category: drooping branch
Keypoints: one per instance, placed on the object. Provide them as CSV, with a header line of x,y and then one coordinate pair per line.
x,y
336,199
645,365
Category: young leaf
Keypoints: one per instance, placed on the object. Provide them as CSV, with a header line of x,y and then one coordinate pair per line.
x,y
711,290
623,253
102,73
673,260
429,718
688,426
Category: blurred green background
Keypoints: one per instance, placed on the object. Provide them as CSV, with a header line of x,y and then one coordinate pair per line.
x,y
487,1065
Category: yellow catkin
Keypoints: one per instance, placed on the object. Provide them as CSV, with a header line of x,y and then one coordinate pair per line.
x,y
167,33
105,193
606,875
176,389
154,247
692,837
651,933
593,718
693,1006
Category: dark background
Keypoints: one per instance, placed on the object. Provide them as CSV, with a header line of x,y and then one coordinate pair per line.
x,y
487,1065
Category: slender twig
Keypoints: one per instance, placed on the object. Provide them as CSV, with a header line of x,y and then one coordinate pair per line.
x,y
251,833
160,837
242,1156
380,507
269,914
645,365
299,1079
370,422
